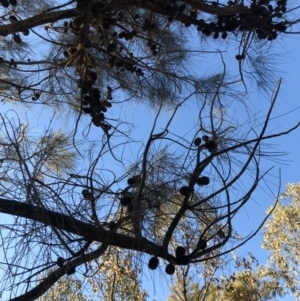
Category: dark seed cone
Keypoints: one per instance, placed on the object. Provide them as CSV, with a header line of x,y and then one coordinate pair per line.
x,y
131,181
12,18
185,190
221,234
239,57
182,8
134,180
170,269
77,22
5,3
111,47
197,141
86,194
17,39
203,181
125,201
211,146
71,271
26,32
112,225
180,251
153,263
205,138
60,261
87,110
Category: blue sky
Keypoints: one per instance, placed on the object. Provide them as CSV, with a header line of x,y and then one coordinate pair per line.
x,y
285,115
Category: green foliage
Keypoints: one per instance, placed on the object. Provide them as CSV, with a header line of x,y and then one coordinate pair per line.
x,y
56,151
243,286
281,240
66,289
117,278
249,282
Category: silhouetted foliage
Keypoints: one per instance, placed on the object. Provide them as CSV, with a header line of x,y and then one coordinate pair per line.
x,y
79,198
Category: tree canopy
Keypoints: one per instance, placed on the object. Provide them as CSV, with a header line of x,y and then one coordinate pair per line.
x,y
242,286
166,198
281,240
